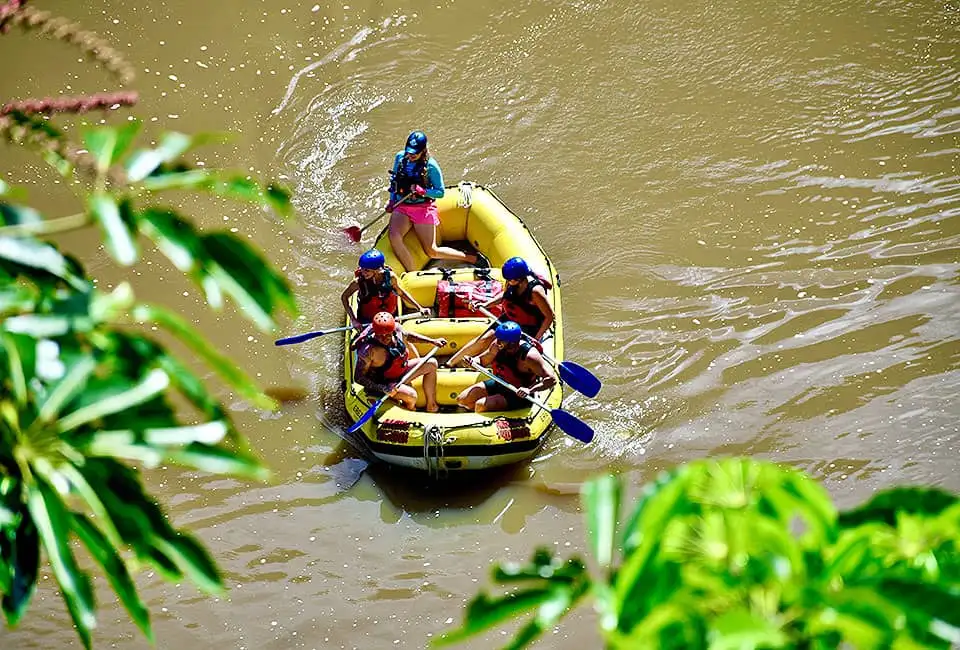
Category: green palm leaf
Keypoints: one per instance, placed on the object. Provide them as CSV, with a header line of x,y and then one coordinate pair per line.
x,y
192,559
105,553
67,388
144,162
19,562
484,612
154,383
601,498
115,219
35,254
52,521
741,629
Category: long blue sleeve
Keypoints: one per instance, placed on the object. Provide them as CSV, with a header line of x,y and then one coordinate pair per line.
x,y
435,179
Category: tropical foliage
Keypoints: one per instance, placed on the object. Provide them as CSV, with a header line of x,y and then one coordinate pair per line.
x,y
88,394
740,554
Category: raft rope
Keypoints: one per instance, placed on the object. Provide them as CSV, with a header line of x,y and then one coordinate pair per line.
x,y
433,437
466,195
465,199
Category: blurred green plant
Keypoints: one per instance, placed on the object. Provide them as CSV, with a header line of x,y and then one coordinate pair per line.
x,y
87,395
743,554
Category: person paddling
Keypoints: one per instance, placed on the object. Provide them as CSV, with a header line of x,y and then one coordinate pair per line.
x,y
417,176
524,302
378,290
516,362
384,356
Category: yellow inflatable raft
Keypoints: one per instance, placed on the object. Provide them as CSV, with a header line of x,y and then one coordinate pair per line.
x,y
454,439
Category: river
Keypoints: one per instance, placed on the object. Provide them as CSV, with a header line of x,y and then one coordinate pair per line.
x,y
754,208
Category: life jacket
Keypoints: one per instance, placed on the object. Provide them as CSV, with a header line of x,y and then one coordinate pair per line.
x,y
397,356
506,366
405,175
375,296
519,307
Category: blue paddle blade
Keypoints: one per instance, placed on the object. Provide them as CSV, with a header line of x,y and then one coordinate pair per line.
x,y
579,378
365,417
299,338
571,425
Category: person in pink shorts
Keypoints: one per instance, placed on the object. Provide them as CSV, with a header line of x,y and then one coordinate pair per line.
x,y
417,176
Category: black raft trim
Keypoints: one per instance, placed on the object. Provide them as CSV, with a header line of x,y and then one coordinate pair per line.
x,y
457,450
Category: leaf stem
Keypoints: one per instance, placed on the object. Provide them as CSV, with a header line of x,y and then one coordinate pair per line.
x,y
61,224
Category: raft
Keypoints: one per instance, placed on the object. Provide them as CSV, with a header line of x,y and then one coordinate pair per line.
x,y
472,218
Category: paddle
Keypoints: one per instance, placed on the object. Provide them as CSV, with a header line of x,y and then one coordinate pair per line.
x,y
569,423
373,409
354,232
300,338
573,374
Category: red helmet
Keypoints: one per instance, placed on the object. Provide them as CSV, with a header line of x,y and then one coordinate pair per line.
x,y
384,322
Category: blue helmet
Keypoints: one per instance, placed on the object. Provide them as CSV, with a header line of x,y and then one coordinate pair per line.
x,y
416,142
372,259
515,268
508,332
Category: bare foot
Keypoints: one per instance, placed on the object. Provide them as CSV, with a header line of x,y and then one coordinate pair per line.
x,y
433,408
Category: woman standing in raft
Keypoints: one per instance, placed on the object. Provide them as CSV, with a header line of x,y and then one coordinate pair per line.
x,y
416,174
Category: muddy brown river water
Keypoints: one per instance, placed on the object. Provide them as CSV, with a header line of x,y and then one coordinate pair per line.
x,y
754,207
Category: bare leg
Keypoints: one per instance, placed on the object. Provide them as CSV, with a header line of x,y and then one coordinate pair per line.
x,y
429,373
475,346
407,397
471,395
400,226
430,388
427,234
491,403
